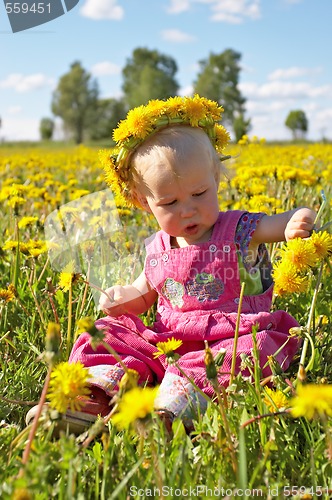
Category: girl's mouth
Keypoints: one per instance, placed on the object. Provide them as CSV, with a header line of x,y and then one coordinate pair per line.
x,y
192,229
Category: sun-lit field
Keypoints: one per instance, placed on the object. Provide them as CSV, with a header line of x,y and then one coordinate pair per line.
x,y
267,441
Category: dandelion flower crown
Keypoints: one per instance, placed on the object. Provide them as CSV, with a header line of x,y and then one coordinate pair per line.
x,y
144,121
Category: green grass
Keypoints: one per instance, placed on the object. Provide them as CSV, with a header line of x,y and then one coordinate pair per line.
x,y
276,456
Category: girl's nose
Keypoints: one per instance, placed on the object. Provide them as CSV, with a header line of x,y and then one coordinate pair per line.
x,y
187,210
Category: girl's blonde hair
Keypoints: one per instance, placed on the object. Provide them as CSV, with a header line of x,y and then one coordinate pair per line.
x,y
174,142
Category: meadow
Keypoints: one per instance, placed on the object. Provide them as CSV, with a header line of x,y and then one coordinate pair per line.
x,y
255,440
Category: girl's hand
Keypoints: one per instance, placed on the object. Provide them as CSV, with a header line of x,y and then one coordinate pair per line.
x,y
301,224
113,303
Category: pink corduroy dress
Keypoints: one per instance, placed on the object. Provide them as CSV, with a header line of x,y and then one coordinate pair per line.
x,y
198,295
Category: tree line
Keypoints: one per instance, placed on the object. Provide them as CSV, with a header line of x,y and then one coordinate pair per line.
x,y
147,75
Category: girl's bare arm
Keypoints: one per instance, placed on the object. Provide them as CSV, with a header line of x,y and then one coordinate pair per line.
x,y
297,223
128,299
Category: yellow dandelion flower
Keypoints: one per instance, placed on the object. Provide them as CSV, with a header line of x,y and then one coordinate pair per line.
x,y
174,106
10,245
67,276
27,221
36,248
275,400
7,294
213,108
222,138
69,381
15,201
78,193
156,107
322,243
287,280
25,248
122,132
167,347
139,122
300,253
136,404
194,110
312,400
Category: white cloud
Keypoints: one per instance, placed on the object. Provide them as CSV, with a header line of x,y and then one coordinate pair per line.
x,y
287,90
102,9
186,91
21,83
177,36
292,72
14,110
178,6
261,107
105,68
228,11
23,129
235,12
325,117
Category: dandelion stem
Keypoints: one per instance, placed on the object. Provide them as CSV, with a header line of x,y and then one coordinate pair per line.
x,y
115,354
86,282
37,304
321,208
43,270
17,255
236,334
35,422
221,401
70,312
310,318
265,415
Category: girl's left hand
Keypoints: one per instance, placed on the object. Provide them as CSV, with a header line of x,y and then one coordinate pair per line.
x,y
301,224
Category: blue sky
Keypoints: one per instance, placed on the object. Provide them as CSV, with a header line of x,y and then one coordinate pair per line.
x,y
285,47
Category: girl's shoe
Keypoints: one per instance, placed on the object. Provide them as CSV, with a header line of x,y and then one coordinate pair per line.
x,y
76,422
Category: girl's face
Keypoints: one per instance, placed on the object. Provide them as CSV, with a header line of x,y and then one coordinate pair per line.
x,y
182,195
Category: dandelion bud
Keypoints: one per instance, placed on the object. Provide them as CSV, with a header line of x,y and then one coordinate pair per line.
x,y
87,325
274,365
129,380
246,361
210,366
50,288
296,331
21,494
301,374
88,249
219,358
53,340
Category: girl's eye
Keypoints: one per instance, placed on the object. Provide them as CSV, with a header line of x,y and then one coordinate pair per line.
x,y
169,203
200,194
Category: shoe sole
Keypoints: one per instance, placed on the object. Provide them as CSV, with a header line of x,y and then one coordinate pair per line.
x,y
74,422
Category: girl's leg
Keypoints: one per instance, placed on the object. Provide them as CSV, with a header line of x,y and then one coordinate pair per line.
x,y
182,398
